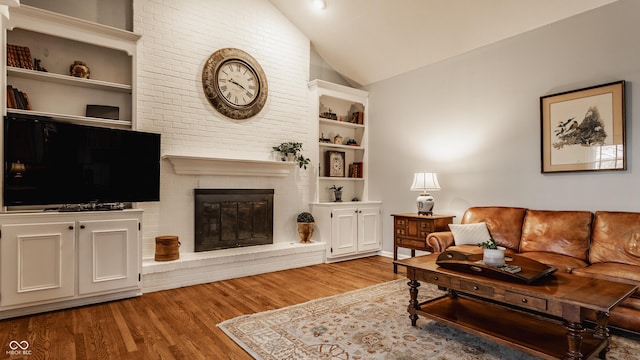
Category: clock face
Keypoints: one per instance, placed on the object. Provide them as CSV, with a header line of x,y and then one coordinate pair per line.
x,y
237,83
234,83
335,163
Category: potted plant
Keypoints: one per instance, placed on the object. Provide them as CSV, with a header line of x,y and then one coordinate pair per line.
x,y
305,226
292,151
493,254
337,192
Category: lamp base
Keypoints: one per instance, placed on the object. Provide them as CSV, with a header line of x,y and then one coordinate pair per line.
x,y
425,204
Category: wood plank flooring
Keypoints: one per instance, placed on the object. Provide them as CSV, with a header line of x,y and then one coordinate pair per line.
x,y
181,323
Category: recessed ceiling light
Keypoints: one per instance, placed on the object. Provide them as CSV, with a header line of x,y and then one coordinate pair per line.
x,y
319,4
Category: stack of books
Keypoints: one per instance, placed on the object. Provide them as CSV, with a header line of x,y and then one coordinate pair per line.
x,y
355,170
19,56
17,99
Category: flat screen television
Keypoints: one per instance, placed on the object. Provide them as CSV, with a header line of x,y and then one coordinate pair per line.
x,y
47,162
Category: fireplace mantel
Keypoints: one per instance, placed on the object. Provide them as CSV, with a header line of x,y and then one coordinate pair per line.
x,y
203,165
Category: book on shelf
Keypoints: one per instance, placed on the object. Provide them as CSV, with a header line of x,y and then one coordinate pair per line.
x,y
17,99
355,170
358,117
19,56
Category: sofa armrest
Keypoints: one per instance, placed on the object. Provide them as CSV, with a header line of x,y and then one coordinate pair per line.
x,y
440,241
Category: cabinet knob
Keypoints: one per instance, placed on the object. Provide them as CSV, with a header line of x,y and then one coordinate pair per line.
x,y
435,278
70,227
475,288
524,300
81,226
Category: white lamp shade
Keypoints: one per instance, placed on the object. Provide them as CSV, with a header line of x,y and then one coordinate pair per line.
x,y
425,182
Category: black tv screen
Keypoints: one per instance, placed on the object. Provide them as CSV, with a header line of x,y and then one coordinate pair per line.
x,y
48,162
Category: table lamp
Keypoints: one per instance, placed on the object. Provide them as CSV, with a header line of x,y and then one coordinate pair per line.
x,y
425,182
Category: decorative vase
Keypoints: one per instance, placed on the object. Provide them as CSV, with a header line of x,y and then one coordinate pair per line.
x,y
494,257
338,195
305,231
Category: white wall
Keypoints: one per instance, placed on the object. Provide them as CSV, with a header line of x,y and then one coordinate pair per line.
x,y
177,38
475,120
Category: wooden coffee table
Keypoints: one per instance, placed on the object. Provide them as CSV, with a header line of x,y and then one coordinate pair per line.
x,y
543,318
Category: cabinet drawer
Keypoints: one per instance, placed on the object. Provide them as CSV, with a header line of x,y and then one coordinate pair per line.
x,y
474,288
401,231
437,279
426,227
411,243
525,301
401,222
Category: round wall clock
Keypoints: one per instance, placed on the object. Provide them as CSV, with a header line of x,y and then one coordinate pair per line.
x,y
234,83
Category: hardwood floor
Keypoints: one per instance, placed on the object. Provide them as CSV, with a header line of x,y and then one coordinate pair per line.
x,y
181,323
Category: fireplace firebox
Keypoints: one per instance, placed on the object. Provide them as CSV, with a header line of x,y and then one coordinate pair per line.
x,y
229,218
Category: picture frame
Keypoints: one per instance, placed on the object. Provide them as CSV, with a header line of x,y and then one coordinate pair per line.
x,y
334,163
584,129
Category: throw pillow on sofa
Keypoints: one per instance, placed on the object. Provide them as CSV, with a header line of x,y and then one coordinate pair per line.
x,y
469,234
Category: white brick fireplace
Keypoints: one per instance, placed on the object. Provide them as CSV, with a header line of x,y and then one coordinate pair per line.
x,y
190,172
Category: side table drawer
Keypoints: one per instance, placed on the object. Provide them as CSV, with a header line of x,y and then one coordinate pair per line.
x,y
473,288
404,242
525,301
426,227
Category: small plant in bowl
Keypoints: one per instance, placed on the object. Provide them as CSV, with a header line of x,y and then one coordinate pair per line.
x,y
493,253
292,151
305,226
489,244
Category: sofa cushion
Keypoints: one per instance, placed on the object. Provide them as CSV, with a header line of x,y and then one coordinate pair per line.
x,y
615,238
469,234
560,232
561,262
504,223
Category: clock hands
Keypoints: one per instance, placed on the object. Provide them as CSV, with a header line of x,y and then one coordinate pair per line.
x,y
236,83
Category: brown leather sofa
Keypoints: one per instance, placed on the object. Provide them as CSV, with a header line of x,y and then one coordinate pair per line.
x,y
603,245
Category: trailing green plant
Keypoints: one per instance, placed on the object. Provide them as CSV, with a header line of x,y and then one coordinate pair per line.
x,y
295,150
489,244
305,217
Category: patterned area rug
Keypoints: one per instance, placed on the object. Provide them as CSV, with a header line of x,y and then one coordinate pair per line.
x,y
371,323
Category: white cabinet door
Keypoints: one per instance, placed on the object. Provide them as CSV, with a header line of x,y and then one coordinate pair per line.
x,y
37,262
344,231
369,229
107,255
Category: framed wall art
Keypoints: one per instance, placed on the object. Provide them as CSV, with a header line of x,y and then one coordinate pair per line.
x,y
584,129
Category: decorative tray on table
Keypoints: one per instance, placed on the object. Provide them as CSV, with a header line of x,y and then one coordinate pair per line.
x,y
516,268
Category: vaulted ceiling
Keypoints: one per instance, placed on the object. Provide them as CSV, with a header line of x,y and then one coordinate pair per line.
x,y
371,40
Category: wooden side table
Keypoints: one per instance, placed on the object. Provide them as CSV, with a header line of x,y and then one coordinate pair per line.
x,y
410,231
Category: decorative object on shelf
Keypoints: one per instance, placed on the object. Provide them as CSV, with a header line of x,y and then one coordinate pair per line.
x,y
103,112
352,142
337,193
17,169
329,115
79,69
292,151
425,182
323,139
334,163
355,170
305,227
337,139
493,254
234,83
37,66
583,130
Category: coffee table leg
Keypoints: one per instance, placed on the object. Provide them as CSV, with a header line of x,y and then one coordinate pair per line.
x,y
602,331
574,339
413,303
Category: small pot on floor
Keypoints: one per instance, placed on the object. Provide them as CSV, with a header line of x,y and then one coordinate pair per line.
x,y
305,231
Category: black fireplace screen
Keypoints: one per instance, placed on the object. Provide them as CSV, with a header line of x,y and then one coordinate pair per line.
x,y
229,218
